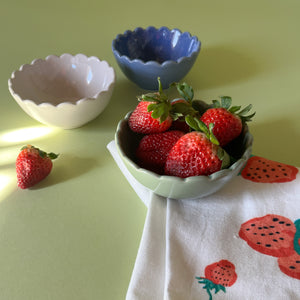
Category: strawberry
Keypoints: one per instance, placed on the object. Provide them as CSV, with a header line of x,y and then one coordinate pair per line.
x,y
271,234
259,169
153,149
142,121
228,121
218,276
152,114
290,265
32,166
195,154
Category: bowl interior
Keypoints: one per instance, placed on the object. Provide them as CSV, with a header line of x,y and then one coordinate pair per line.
x,y
62,79
158,45
176,187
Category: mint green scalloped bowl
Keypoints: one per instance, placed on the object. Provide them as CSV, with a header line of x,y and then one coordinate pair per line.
x,y
176,187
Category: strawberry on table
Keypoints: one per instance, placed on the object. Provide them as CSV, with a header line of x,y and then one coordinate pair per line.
x,y
153,149
32,166
228,120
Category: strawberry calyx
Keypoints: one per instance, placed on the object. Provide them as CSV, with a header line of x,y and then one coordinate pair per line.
x,y
209,286
226,102
160,105
297,236
41,153
198,125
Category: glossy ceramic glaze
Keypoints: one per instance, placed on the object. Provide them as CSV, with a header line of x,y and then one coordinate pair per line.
x,y
145,54
64,91
175,187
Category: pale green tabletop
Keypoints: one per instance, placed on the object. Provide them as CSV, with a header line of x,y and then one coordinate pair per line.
x,y
76,235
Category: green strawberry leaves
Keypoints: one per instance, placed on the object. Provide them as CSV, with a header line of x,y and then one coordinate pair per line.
x,y
210,286
161,105
198,125
226,102
42,153
184,90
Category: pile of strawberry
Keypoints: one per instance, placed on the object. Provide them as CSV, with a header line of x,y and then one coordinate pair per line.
x,y
181,137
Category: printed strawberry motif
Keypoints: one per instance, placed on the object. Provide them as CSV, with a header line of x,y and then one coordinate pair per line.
x,y
32,166
218,276
153,149
271,234
228,121
297,236
193,155
259,169
290,265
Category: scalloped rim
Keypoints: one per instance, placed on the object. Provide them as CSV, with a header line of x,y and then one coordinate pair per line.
x,y
215,176
79,101
152,62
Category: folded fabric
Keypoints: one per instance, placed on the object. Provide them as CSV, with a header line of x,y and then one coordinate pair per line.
x,y
242,242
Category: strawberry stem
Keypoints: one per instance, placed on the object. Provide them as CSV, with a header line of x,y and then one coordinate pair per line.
x,y
226,102
42,153
209,286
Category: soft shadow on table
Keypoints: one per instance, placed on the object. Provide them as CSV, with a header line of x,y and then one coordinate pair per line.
x,y
63,172
220,65
124,99
276,140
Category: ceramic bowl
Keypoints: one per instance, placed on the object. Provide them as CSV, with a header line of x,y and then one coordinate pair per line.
x,y
63,91
146,54
175,187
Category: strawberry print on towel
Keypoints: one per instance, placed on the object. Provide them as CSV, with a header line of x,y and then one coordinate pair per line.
x,y
259,169
276,236
218,276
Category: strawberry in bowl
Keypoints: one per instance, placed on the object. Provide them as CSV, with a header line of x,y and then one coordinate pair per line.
x,y
175,163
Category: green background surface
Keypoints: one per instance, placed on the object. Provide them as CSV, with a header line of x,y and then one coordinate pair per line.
x,y
76,234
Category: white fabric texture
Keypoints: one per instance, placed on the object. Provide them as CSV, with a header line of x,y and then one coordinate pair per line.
x,y
183,237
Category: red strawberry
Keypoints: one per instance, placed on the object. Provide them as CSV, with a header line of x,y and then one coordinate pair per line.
x,y
154,148
259,169
218,276
192,155
152,114
271,234
32,166
290,265
228,121
142,121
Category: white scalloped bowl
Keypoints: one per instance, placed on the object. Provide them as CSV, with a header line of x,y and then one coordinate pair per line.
x,y
63,91
175,187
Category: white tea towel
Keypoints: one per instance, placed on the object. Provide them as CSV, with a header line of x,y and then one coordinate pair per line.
x,y
242,242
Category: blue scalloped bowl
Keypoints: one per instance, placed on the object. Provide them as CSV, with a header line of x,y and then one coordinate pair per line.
x,y
146,54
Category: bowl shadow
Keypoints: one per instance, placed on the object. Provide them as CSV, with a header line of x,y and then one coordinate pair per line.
x,y
225,64
277,140
124,99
